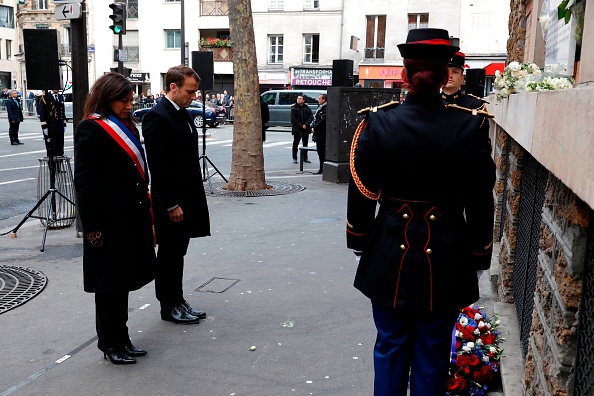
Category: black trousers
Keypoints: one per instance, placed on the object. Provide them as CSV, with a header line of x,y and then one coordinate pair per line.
x,y
304,137
321,148
170,270
13,131
111,316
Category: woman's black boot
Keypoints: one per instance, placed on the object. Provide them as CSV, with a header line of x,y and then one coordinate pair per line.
x,y
133,351
117,355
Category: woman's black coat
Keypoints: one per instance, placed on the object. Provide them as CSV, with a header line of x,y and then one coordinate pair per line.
x,y
112,199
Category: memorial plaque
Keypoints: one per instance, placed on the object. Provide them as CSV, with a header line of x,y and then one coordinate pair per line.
x,y
559,39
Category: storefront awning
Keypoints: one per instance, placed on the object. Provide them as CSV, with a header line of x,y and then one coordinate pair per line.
x,y
492,67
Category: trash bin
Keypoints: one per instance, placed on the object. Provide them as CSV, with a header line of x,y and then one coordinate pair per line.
x,y
60,197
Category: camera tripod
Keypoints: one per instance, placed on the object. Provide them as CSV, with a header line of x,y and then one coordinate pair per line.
x,y
51,216
205,174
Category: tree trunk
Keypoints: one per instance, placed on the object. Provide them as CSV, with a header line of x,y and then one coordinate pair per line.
x,y
247,161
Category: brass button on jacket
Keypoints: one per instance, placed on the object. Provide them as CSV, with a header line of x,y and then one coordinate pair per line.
x,y
405,216
402,247
428,251
432,218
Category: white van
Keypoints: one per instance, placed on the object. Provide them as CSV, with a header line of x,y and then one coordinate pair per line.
x,y
280,101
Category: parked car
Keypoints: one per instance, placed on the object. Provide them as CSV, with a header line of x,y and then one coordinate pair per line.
x,y
221,111
68,113
196,114
280,101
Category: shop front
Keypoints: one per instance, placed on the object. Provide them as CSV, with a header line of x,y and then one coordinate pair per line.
x,y
310,78
141,82
272,80
380,76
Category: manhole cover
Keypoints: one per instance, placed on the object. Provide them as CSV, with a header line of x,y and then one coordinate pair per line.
x,y
217,285
274,188
18,285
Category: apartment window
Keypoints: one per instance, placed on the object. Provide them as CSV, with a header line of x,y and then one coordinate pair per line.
x,y
418,21
312,4
8,49
173,38
275,49
6,17
41,4
311,48
276,5
375,37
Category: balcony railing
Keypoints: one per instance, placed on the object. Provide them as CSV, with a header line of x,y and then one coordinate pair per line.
x,y
220,54
214,8
374,53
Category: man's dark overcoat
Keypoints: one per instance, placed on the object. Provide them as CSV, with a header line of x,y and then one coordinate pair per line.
x,y
300,115
431,171
13,110
112,199
171,142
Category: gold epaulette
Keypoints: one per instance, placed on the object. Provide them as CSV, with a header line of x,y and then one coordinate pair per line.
x,y
476,97
473,111
384,107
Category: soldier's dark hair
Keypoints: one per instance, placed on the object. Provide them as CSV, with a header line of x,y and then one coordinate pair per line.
x,y
178,75
108,88
425,75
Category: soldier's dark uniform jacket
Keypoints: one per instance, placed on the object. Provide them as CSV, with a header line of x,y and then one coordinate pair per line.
x,y
430,169
465,100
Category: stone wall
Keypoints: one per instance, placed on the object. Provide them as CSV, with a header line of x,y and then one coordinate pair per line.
x,y
562,248
517,31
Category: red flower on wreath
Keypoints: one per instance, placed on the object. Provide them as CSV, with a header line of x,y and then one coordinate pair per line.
x,y
456,384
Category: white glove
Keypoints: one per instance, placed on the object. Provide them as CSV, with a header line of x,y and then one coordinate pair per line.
x,y
357,255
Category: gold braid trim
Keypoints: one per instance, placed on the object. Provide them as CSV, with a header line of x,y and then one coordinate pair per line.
x,y
371,195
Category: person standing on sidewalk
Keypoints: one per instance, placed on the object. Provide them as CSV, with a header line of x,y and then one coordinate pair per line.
x,y
111,180
179,202
301,117
319,131
15,117
430,169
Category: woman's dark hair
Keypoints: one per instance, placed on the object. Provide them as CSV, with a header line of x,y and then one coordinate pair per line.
x,y
178,75
425,75
108,88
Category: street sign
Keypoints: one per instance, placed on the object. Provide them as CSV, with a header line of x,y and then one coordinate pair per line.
x,y
68,11
123,56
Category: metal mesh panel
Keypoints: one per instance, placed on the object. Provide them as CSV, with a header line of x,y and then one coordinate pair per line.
x,y
532,193
61,211
504,194
584,360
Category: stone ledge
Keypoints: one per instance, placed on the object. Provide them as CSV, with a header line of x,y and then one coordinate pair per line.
x,y
553,127
512,363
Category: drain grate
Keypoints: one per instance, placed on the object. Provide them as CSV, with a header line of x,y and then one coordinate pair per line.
x,y
274,188
18,285
217,285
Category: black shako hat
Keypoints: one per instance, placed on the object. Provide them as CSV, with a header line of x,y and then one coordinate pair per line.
x,y
427,44
457,60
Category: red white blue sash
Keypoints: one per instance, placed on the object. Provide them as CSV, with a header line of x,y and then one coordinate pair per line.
x,y
126,140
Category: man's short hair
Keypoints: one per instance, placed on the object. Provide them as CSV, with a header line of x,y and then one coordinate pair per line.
x,y
323,96
178,75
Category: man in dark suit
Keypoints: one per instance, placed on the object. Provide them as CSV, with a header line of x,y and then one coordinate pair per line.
x,y
301,117
15,117
179,202
51,111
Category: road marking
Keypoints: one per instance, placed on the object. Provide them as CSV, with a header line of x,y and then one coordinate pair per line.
x,y
19,168
209,143
17,181
31,152
275,144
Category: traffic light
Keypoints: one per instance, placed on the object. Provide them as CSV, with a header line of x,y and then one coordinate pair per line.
x,y
119,18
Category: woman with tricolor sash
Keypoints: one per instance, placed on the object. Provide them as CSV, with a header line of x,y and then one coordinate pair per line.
x,y
111,180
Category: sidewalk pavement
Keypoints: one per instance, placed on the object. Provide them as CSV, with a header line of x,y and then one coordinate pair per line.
x,y
294,301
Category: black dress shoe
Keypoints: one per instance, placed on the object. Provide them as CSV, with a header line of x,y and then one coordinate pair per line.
x,y
116,355
19,142
178,315
13,143
186,307
294,161
133,351
306,160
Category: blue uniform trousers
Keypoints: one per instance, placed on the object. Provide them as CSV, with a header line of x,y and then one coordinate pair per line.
x,y
418,344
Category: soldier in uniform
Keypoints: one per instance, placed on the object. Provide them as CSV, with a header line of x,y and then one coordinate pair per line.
x,y
429,168
51,111
451,92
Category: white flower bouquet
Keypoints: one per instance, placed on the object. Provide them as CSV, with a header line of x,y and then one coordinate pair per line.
x,y
528,77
